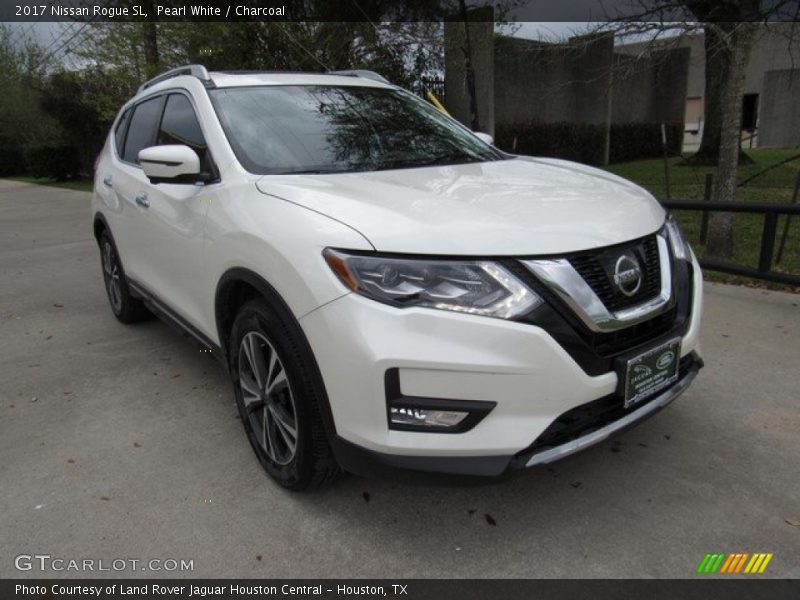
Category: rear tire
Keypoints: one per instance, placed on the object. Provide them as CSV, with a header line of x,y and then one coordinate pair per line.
x,y
279,398
125,307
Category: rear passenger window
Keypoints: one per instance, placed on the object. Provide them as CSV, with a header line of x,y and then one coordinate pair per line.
x,y
180,126
142,128
122,128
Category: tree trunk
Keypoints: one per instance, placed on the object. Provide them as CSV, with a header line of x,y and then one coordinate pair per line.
x,y
150,34
469,70
720,225
718,57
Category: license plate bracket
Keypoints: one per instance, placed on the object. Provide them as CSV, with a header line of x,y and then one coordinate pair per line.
x,y
651,371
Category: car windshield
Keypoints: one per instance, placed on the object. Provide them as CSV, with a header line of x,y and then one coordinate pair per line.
x,y
331,129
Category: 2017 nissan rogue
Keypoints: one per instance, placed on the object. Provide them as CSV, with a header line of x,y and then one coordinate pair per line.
x,y
385,287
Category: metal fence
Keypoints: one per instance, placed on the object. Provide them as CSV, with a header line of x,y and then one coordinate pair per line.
x,y
430,84
771,213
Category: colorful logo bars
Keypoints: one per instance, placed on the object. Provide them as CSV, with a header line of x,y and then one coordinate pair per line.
x,y
737,562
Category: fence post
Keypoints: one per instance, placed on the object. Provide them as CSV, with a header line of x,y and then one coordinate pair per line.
x,y
706,198
767,242
666,159
788,219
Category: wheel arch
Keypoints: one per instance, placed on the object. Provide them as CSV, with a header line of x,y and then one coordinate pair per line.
x,y
238,286
99,225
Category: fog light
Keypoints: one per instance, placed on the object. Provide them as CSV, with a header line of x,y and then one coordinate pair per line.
x,y
423,417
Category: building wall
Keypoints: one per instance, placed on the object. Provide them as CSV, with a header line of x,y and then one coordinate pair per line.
x,y
552,82
650,88
779,109
776,48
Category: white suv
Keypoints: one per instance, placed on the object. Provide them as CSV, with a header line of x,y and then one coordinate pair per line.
x,y
385,287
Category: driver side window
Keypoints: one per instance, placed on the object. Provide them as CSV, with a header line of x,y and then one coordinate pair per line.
x,y
179,125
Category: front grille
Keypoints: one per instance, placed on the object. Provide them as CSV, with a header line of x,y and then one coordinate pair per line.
x,y
597,269
613,342
589,417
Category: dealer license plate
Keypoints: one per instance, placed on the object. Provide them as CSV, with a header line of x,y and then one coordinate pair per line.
x,y
652,371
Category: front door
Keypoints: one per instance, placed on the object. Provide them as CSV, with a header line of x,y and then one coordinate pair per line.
x,y
175,219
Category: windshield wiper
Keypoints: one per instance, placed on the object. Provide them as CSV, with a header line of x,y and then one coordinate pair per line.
x,y
313,171
445,159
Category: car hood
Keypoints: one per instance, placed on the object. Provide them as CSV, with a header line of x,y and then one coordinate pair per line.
x,y
515,207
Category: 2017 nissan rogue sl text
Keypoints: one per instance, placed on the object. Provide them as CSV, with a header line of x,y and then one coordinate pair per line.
x,y
385,287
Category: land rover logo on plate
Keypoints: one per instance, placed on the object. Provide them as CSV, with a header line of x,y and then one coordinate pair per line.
x,y
651,372
665,359
627,275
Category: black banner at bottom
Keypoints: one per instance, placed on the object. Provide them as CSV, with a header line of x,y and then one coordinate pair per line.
x,y
409,589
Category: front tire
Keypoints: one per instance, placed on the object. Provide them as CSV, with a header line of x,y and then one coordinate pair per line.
x,y
279,398
125,307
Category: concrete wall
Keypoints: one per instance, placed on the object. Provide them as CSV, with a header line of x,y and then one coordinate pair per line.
x,y
776,48
552,82
481,38
650,88
779,110
571,82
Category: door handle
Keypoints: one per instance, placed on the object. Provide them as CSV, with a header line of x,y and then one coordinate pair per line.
x,y
107,181
142,200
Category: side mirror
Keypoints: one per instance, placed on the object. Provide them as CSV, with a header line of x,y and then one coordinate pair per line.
x,y
484,137
170,164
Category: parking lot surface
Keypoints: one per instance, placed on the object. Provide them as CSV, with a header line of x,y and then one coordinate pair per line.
x,y
124,442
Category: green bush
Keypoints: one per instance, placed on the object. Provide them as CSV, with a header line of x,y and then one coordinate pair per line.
x,y
60,162
12,161
580,142
635,141
585,143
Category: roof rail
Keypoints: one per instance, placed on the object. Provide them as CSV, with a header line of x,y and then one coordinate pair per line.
x,y
362,73
198,71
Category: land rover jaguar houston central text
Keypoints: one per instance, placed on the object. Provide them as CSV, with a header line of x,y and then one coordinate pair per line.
x,y
387,289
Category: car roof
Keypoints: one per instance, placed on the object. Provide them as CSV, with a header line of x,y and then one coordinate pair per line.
x,y
223,79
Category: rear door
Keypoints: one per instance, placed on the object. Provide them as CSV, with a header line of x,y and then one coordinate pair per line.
x,y
128,182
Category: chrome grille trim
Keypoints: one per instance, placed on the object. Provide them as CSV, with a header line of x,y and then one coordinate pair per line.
x,y
563,280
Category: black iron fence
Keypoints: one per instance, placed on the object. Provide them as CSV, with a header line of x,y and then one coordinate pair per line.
x,y
771,213
430,84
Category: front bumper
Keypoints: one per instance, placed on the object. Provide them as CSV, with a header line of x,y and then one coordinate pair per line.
x,y
528,375
356,459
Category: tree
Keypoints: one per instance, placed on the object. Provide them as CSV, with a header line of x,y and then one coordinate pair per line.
x,y
22,122
81,102
730,27
718,58
720,225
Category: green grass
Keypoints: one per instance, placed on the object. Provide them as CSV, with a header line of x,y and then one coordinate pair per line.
x,y
80,185
688,183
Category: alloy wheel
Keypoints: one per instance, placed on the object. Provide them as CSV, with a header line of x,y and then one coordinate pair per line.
x,y
111,271
267,396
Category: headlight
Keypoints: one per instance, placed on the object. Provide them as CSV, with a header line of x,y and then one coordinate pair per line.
x,y
680,247
475,287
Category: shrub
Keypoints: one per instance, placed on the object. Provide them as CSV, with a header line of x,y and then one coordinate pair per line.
x,y
12,161
57,161
585,143
580,142
635,141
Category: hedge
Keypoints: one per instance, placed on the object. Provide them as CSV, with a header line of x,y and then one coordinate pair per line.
x,y
61,162
12,161
585,143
